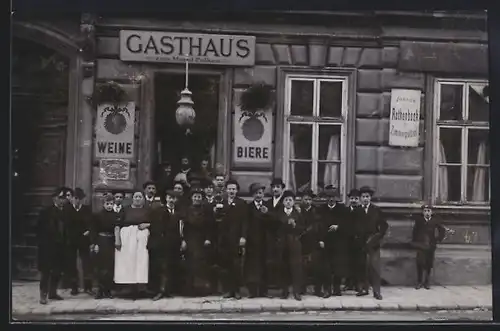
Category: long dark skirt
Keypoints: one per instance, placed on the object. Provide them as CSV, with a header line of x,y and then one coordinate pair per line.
x,y
105,261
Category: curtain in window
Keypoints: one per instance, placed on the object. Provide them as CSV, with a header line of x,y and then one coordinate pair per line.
x,y
442,176
478,189
293,181
331,170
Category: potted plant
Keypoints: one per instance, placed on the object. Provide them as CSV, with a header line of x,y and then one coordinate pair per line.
x,y
253,103
109,92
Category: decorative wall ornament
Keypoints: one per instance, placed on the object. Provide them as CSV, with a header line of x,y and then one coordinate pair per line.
x,y
257,97
185,114
109,92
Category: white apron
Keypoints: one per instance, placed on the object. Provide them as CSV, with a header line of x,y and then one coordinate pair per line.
x,y
132,260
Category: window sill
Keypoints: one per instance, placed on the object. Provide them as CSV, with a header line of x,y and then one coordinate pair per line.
x,y
419,205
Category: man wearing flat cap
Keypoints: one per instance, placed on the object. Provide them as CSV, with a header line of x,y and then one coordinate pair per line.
x,y
428,231
164,244
51,237
79,217
255,258
335,231
373,229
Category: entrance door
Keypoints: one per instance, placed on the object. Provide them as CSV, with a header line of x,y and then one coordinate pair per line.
x,y
39,120
173,142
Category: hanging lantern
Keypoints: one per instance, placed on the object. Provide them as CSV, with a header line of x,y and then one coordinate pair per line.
x,y
185,114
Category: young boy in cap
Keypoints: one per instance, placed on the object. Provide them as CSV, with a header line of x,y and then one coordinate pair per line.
x,y
104,243
373,229
312,244
427,233
255,258
51,237
119,196
335,232
289,246
79,218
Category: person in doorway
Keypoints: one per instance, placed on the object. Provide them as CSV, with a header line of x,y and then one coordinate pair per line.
x,y
164,245
150,198
230,238
132,258
51,238
197,241
185,173
374,227
104,243
313,246
427,233
255,258
79,218
165,177
290,247
204,173
355,249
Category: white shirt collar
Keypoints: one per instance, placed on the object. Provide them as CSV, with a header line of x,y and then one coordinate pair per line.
x,y
117,208
258,203
150,199
288,211
77,208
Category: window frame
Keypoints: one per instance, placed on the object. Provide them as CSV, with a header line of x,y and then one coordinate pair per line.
x,y
464,126
316,121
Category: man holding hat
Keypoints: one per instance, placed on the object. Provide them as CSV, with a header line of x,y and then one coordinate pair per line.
x,y
164,244
255,258
51,237
427,233
373,229
79,218
336,234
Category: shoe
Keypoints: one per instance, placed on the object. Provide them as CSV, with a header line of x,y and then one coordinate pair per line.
x,y
158,297
109,295
99,295
427,286
362,293
284,295
297,297
228,295
377,296
319,294
55,297
74,291
419,286
327,295
89,292
43,299
337,294
237,296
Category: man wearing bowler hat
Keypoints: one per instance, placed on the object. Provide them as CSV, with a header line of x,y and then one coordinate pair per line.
x,y
373,228
79,219
354,246
335,231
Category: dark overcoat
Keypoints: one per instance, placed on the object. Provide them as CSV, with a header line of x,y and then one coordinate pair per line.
x,y
51,238
270,228
336,241
78,222
255,247
425,237
371,227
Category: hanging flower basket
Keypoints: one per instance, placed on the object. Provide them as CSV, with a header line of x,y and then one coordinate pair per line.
x,y
256,97
109,92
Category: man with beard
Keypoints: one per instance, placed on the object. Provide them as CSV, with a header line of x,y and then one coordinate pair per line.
x,y
79,218
231,218
289,247
373,228
51,237
355,248
427,233
255,248
336,237
313,246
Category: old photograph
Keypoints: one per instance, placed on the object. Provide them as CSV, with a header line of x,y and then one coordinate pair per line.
x,y
257,166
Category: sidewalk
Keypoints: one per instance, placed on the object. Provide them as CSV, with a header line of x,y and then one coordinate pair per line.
x,y
25,298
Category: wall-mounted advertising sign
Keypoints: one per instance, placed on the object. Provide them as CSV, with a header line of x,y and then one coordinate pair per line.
x,y
161,46
115,131
253,134
404,123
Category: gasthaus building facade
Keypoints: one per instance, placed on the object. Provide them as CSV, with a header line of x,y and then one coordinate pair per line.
x,y
397,101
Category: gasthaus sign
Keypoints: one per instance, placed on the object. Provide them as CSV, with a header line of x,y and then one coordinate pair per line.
x,y
159,46
114,130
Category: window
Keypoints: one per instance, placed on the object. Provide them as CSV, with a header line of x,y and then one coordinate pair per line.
x,y
461,150
314,133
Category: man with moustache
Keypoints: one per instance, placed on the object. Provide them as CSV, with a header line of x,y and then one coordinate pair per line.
x,y
150,198
373,228
230,238
334,226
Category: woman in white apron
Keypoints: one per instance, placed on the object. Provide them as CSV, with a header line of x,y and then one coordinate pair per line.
x,y
131,255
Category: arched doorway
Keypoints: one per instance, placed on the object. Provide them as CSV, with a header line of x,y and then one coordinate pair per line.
x,y
40,84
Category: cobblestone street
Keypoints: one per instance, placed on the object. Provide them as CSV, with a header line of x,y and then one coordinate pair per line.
x,y
396,299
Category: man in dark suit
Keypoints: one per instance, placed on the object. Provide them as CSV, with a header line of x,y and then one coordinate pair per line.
x,y
79,223
427,233
230,238
355,248
150,198
373,228
51,237
335,230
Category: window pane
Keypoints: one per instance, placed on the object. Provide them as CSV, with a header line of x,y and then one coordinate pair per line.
x,y
479,147
328,174
450,149
478,106
451,102
449,183
302,98
300,141
329,142
330,99
300,176
478,184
